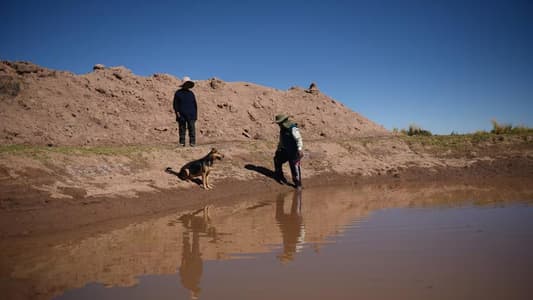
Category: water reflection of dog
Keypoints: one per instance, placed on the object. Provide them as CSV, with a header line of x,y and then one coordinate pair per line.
x,y
291,225
191,267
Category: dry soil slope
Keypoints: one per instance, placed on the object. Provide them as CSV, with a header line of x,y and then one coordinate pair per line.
x,y
113,106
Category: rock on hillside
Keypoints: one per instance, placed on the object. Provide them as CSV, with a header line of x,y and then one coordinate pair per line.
x,y
113,106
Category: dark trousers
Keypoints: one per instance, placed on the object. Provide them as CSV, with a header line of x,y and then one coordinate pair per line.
x,y
185,125
282,157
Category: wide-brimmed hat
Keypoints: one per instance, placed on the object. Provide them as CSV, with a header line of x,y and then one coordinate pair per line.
x,y
187,83
280,118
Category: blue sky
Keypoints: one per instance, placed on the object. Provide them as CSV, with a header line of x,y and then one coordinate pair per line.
x,y
443,65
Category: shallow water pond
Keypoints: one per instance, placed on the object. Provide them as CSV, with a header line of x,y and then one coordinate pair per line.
x,y
370,242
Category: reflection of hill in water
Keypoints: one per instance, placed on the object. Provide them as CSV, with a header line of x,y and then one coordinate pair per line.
x,y
117,257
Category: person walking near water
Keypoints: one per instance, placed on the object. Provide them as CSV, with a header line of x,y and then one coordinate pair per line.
x,y
290,149
186,110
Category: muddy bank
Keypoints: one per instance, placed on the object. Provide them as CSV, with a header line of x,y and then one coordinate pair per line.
x,y
53,190
85,216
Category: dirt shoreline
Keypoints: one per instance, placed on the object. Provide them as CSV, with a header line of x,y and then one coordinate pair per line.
x,y
90,215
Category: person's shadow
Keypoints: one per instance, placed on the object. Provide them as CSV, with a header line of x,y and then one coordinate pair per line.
x,y
171,171
261,170
268,173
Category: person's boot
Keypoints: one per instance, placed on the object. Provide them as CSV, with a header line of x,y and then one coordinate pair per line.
x,y
280,178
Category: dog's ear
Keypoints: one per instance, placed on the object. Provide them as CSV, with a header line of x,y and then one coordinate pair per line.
x,y
214,150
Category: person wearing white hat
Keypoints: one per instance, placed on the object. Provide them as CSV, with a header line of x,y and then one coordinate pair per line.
x,y
290,149
186,110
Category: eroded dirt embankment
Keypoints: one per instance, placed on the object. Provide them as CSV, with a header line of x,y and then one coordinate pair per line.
x,y
50,190
113,106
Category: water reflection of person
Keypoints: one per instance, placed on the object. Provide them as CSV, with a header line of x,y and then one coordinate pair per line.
x,y
291,225
191,268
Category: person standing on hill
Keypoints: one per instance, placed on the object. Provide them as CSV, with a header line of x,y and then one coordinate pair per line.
x,y
186,110
290,149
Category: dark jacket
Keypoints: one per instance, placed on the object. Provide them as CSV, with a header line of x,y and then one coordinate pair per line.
x,y
287,142
185,104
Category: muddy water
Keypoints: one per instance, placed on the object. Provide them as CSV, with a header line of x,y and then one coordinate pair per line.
x,y
370,242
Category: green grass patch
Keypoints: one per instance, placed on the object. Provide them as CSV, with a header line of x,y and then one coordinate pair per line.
x,y
448,142
76,150
501,128
467,141
414,130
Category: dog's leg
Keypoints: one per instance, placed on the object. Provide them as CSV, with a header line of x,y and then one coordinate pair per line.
x,y
208,184
204,181
207,177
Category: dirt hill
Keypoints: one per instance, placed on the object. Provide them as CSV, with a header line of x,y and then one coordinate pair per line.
x,y
113,106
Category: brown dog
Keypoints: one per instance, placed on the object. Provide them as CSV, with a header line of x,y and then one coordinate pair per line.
x,y
201,167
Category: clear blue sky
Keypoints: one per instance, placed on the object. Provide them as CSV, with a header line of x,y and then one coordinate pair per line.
x,y
443,65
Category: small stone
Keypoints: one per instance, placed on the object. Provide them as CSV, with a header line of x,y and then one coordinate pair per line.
x,y
252,117
98,67
295,88
216,83
100,90
313,89
259,136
